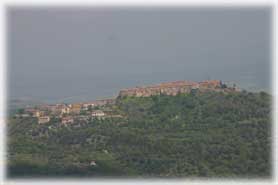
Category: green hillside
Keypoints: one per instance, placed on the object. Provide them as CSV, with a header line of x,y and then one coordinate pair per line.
x,y
189,135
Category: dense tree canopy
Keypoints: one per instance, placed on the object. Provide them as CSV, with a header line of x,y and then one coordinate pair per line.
x,y
188,135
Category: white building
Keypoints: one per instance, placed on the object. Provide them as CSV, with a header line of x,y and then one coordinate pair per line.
x,y
86,106
43,119
98,113
67,120
65,110
22,115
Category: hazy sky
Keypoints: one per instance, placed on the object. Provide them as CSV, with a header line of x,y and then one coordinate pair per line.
x,y
63,54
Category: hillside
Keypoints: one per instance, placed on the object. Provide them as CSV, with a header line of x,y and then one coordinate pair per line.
x,y
211,134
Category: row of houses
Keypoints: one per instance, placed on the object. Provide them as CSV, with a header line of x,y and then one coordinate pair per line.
x,y
75,108
59,109
67,112
177,87
96,103
68,119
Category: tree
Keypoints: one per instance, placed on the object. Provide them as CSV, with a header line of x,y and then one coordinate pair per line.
x,y
21,111
90,108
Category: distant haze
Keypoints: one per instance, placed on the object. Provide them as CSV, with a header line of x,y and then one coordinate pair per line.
x,y
79,54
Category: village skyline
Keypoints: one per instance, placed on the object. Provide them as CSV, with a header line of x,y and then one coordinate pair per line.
x,y
69,113
118,93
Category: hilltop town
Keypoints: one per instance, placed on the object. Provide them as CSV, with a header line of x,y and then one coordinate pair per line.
x,y
174,88
101,109
173,129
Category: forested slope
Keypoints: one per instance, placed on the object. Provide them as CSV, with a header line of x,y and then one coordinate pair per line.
x,y
189,135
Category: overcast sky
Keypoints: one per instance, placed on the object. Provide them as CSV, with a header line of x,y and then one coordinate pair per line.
x,y
62,54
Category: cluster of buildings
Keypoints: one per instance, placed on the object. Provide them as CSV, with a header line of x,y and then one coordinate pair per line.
x,y
174,88
68,113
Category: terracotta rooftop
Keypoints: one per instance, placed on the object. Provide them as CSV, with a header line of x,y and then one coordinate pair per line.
x,y
173,84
